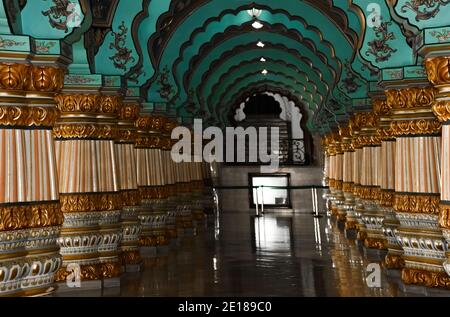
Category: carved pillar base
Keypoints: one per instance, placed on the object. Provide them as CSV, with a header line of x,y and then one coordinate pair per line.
x,y
428,278
153,223
171,207
111,236
420,238
131,230
394,258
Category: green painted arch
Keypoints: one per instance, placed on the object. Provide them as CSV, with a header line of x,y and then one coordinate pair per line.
x,y
242,71
139,74
330,68
117,39
247,52
251,78
315,74
217,74
316,17
206,32
212,50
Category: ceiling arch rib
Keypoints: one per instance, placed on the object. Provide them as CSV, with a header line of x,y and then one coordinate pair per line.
x,y
227,95
273,34
203,34
269,65
321,14
243,71
207,64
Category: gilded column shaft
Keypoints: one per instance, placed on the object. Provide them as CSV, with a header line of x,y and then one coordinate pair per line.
x,y
151,181
30,213
89,184
417,172
367,208
129,191
438,74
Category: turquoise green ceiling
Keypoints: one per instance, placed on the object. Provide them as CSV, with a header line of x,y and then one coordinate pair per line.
x,y
198,57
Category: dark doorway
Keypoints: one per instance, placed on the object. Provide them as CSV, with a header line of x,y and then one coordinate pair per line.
x,y
262,105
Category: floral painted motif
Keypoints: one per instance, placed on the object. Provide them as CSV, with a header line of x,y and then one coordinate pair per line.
x,y
44,47
76,79
394,74
424,9
380,47
123,55
418,72
9,43
61,14
134,74
349,82
166,90
442,36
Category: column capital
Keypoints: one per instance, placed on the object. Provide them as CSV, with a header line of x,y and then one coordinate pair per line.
x,y
346,138
87,116
149,130
438,71
412,111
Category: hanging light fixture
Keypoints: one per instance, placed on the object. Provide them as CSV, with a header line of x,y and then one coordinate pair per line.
x,y
260,44
257,25
264,72
255,13
263,60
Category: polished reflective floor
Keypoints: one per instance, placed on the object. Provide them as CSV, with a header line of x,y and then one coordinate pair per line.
x,y
275,255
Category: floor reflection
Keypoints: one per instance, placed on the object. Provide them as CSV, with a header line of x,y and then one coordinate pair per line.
x,y
286,255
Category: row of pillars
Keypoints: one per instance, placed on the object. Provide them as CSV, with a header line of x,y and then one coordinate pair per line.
x,y
389,175
87,182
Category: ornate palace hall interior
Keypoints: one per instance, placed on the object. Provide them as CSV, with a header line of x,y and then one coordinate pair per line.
x,y
184,148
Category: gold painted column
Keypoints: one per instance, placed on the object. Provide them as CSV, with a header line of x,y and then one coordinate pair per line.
x,y
393,259
371,215
88,184
347,173
30,213
170,181
438,69
417,188
129,192
337,162
151,183
352,224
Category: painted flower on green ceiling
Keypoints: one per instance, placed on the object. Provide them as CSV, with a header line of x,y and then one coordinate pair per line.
x,y
424,9
380,47
441,36
166,90
62,14
123,55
